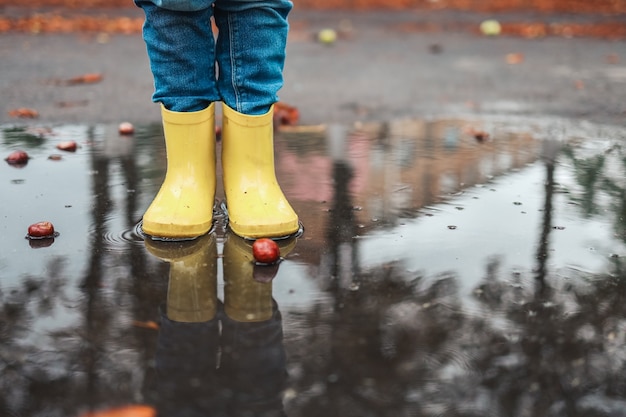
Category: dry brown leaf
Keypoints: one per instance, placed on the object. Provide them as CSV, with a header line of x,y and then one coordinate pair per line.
x,y
286,115
89,78
24,113
612,59
514,58
146,324
124,411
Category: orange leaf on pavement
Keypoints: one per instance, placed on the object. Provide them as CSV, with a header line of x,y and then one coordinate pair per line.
x,y
90,78
513,59
284,114
124,411
24,113
146,324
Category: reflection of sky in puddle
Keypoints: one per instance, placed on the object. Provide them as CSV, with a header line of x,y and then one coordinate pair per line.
x,y
492,225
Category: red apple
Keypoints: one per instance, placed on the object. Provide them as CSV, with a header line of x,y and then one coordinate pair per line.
x,y
265,251
17,158
126,128
41,229
69,146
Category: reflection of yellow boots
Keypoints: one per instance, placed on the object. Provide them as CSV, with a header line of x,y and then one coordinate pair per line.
x,y
192,289
256,205
183,207
246,299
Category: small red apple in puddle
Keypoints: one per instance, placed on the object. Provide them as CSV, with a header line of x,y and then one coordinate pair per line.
x,y
17,158
265,251
69,146
41,230
126,128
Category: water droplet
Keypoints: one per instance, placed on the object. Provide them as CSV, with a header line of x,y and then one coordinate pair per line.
x,y
354,286
451,227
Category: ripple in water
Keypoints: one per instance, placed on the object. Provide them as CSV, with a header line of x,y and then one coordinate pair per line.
x,y
119,242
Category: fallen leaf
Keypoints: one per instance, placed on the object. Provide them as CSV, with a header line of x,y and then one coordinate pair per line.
x,y
146,324
124,411
24,113
90,78
76,103
514,58
286,115
612,59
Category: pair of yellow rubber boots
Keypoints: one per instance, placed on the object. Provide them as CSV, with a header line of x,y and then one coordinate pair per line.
x,y
183,207
192,288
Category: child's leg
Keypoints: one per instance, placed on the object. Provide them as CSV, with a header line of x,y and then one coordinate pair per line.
x,y
251,52
181,50
251,55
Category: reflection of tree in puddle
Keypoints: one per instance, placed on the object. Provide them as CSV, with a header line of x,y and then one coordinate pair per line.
x,y
64,348
406,345
402,347
602,189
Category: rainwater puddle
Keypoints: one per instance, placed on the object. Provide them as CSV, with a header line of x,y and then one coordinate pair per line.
x,y
447,267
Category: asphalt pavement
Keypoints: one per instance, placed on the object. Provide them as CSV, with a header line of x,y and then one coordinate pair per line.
x,y
384,65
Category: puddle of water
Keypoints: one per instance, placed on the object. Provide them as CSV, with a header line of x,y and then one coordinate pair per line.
x,y
440,272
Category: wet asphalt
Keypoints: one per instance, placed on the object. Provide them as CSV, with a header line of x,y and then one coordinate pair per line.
x,y
383,66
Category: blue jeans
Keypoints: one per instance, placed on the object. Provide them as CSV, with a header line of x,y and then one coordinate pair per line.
x,y
243,68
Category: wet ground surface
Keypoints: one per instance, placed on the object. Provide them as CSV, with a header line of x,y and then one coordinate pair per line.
x,y
384,66
442,272
449,266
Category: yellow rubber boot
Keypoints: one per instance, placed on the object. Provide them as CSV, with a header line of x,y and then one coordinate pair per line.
x,y
256,205
183,207
192,287
248,287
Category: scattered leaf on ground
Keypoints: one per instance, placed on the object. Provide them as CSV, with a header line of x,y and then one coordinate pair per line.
x,y
612,59
90,78
514,58
146,324
75,103
286,115
124,411
24,113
